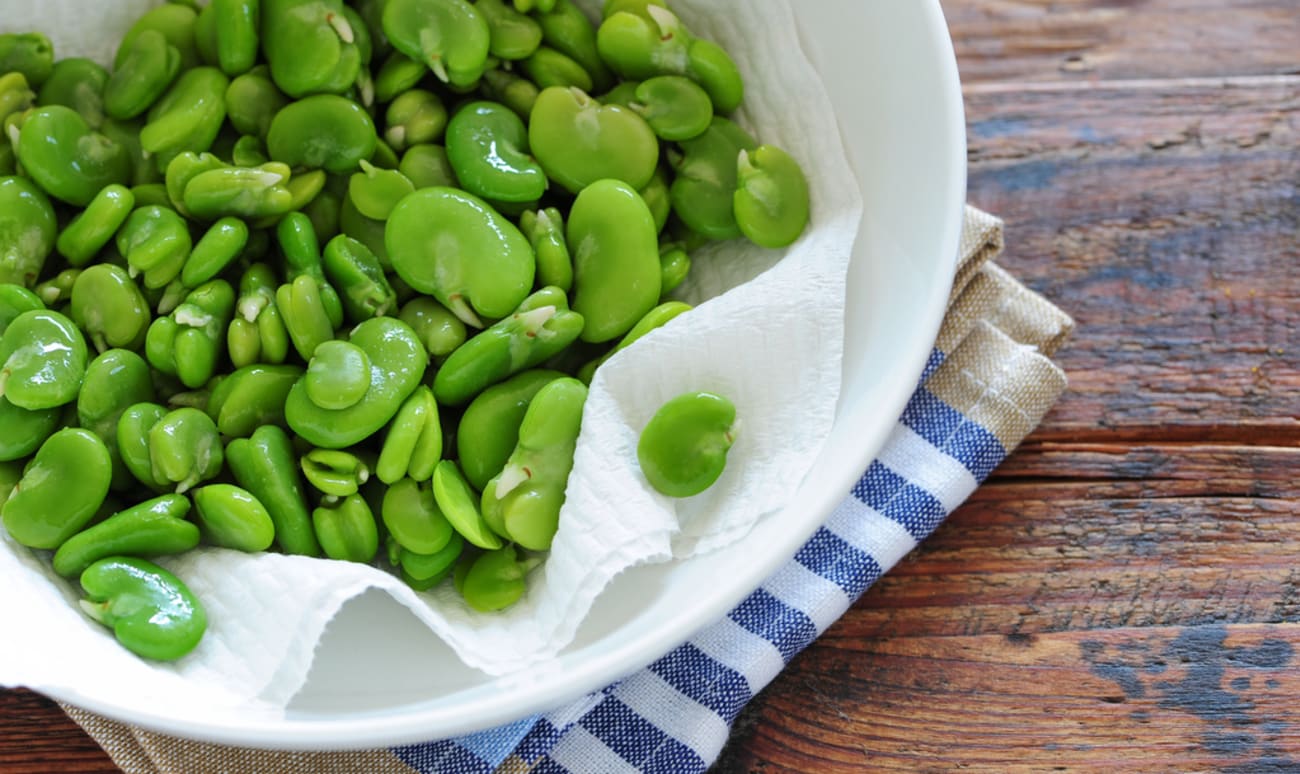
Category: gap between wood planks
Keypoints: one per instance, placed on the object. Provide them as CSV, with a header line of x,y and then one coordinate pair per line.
x,y
1133,84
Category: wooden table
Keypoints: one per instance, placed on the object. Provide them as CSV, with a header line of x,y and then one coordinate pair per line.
x,y
1124,593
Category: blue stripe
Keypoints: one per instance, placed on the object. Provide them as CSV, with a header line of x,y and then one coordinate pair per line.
x,y
789,629
715,686
539,741
952,433
897,498
444,757
840,562
496,744
548,766
637,740
932,364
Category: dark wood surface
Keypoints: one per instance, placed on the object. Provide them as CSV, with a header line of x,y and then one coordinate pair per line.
x,y
1124,594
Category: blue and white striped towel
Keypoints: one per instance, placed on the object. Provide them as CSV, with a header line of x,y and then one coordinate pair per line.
x,y
988,384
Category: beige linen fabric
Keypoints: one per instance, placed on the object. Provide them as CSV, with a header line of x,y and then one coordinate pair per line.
x,y
997,339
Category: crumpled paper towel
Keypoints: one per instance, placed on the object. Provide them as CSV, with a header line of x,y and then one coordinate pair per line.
x,y
768,333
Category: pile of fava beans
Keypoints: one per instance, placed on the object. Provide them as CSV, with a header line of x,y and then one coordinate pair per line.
x,y
332,278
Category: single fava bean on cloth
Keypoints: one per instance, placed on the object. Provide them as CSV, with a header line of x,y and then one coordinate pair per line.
x,y
683,449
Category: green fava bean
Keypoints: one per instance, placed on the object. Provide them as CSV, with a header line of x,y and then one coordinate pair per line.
x,y
16,95
60,491
427,166
185,449
184,168
57,290
10,473
302,256
257,333
175,22
87,233
415,117
496,580
335,473
515,92
305,315
657,318
440,330
412,517
42,361
424,571
539,329
549,68
375,192
188,117
14,300
338,376
252,101
703,194
133,442
771,201
397,364
356,273
398,74
115,381
513,35
579,141
487,145
76,83
617,277
489,428
237,23
675,107
223,242
322,132
413,446
459,504
367,231
67,158
29,53
523,501
657,197
251,397
243,192
450,36
156,242
311,46
652,40
249,151
265,464
152,195
155,527
545,230
151,612
454,246
683,449
110,308
674,266
189,343
24,430
233,518
27,231
567,29
347,530
147,70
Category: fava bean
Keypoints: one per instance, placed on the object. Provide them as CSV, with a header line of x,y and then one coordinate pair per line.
x,y
310,46
27,231
617,277
683,448
185,449
188,117
375,192
257,333
67,158
145,73
703,194
231,517
153,528
29,53
487,146
545,230
413,446
42,360
496,580
579,141
76,83
175,22
414,117
450,36
24,430
265,465
151,612
335,473
110,308
251,397
93,228
771,201
455,247
440,330
190,341
460,505
427,166
325,131
347,530
356,273
424,571
114,381
60,491
252,102
489,427
156,242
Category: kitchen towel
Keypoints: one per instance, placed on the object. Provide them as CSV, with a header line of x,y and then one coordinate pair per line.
x,y
989,382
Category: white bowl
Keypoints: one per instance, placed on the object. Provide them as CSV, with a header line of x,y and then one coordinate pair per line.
x,y
890,71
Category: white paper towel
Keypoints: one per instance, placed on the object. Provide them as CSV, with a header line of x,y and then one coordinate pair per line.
x,y
767,332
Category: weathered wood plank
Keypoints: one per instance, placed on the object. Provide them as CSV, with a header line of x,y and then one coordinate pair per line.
x,y
1209,698
37,738
1167,221
1034,40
